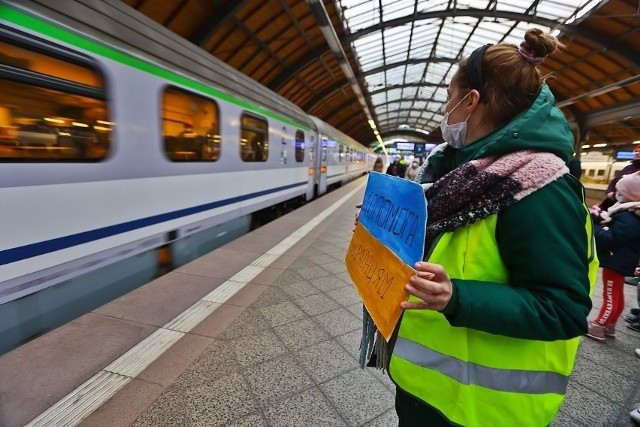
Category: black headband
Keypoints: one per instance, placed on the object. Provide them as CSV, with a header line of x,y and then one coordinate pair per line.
x,y
474,69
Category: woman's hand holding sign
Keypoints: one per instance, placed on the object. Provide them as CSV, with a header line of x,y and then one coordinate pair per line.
x,y
431,284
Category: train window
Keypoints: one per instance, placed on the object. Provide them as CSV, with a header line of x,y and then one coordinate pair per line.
x,y
600,172
323,157
52,109
299,146
254,139
190,127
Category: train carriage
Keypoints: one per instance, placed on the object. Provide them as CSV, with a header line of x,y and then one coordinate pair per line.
x,y
126,149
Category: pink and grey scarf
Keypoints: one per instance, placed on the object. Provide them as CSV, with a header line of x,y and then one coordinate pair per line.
x,y
480,188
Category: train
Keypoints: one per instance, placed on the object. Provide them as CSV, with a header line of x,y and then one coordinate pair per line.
x,y
597,175
127,150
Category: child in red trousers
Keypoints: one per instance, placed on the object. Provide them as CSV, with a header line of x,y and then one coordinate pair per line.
x,y
618,245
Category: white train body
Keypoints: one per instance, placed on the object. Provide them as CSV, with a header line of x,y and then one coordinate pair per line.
x,y
64,217
597,175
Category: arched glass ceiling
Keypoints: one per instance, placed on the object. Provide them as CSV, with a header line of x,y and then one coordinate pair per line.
x,y
407,49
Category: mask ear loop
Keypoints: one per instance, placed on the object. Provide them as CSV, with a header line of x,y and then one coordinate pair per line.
x,y
446,113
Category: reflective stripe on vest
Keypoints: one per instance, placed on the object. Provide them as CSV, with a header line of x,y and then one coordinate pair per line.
x,y
508,380
472,377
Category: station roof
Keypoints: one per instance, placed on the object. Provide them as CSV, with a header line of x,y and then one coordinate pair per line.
x,y
367,66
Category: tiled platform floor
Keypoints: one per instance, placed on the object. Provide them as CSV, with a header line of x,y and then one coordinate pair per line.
x,y
283,353
291,359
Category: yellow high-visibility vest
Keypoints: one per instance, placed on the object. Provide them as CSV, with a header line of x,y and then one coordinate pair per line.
x,y
472,377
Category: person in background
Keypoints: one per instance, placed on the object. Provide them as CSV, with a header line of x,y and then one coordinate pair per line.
x,y
426,174
618,246
575,168
378,164
394,168
632,321
412,170
490,332
402,166
610,192
633,318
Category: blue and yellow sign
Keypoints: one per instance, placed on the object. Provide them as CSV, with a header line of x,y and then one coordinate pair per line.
x,y
387,242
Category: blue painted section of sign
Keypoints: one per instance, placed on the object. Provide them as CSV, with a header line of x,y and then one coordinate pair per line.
x,y
394,211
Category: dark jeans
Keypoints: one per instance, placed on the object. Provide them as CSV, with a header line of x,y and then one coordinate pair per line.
x,y
413,413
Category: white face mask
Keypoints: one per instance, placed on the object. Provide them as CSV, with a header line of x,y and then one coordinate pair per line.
x,y
456,133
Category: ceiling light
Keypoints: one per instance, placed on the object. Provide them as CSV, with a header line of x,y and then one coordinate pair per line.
x,y
599,145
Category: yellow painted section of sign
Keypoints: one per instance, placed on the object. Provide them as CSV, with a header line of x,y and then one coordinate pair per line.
x,y
379,276
323,169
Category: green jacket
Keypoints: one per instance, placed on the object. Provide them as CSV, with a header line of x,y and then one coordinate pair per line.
x,y
505,346
552,266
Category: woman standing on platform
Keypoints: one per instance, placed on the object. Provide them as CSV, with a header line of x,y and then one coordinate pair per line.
x,y
378,164
412,170
490,331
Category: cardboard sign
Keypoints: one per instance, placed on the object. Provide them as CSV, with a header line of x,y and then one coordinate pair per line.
x,y
387,242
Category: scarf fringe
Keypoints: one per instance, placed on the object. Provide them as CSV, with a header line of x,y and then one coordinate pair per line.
x,y
373,347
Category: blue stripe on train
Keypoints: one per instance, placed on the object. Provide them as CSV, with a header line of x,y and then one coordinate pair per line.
x,y
28,251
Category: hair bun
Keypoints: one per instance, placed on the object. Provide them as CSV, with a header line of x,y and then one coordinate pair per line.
x,y
537,45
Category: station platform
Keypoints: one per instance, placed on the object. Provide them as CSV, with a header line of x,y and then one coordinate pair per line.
x,y
263,331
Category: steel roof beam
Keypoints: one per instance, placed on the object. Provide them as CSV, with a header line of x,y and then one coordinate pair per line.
x,y
412,61
296,68
204,34
613,113
600,91
412,132
406,85
323,94
570,30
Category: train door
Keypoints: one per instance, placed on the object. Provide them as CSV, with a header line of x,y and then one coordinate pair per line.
x,y
321,164
311,178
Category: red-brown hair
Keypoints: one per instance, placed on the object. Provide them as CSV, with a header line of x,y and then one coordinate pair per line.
x,y
511,81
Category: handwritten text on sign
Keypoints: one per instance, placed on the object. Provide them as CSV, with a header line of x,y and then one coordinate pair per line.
x,y
387,241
